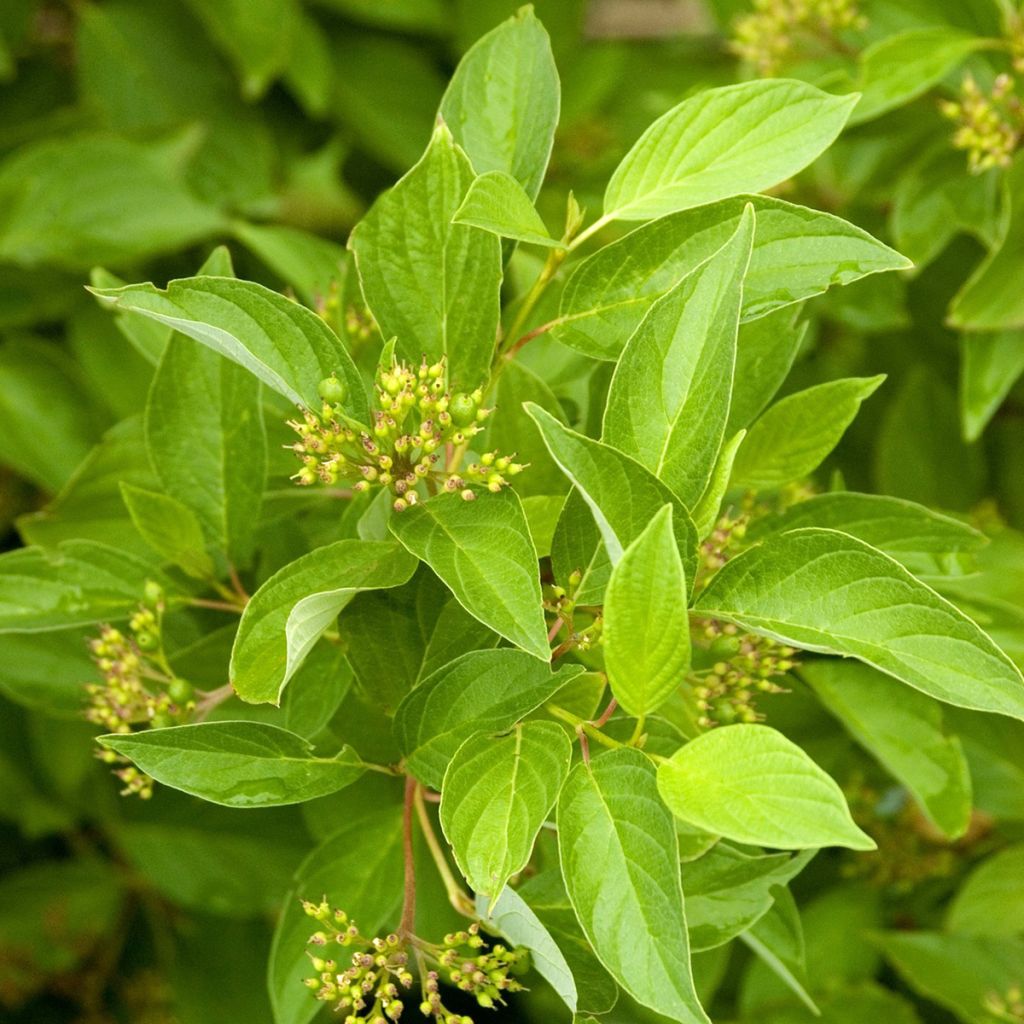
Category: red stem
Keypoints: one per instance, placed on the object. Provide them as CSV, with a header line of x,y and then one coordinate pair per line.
x,y
409,897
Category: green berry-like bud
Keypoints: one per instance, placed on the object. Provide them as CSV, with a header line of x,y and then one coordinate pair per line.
x,y
180,691
333,390
147,641
154,593
161,721
462,409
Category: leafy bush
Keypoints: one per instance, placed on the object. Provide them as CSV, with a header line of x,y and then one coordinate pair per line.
x,y
509,612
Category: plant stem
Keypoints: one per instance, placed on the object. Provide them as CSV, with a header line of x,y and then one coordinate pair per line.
x,y
408,921
548,271
585,726
218,606
210,699
638,731
457,896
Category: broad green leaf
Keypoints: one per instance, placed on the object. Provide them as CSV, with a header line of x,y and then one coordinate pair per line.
x,y
207,443
790,440
502,102
237,764
728,891
496,202
959,972
77,583
777,937
995,753
991,900
705,512
750,783
899,68
797,253
622,495
720,142
482,691
927,543
546,897
46,671
990,300
427,16
89,506
46,424
646,633
255,35
669,398
208,867
170,528
620,861
432,284
904,730
576,547
357,868
990,366
310,264
95,199
285,345
483,552
828,592
765,351
496,795
513,919
291,611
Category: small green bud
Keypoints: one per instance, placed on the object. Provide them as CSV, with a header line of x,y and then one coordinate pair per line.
x,y
180,691
147,641
462,409
333,390
154,593
161,721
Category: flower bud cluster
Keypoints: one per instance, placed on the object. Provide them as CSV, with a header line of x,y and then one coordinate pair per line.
x,y
136,689
988,125
772,33
1006,1006
368,988
464,962
420,434
746,666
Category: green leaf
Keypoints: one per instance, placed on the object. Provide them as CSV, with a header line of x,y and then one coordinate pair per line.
x,y
927,543
45,671
496,795
728,891
995,753
620,861
705,512
959,972
904,730
432,284
95,199
751,784
622,495
496,202
310,264
899,68
828,592
682,355
291,611
216,869
77,583
990,366
237,764
990,300
991,900
483,552
720,142
285,345
170,528
765,351
778,939
502,102
482,691
46,424
207,443
790,440
797,253
646,633
513,919
357,868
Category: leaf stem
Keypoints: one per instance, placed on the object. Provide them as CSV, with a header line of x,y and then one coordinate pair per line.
x,y
218,606
544,278
408,921
583,725
457,896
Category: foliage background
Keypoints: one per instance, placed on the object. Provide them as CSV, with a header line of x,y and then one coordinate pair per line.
x,y
136,135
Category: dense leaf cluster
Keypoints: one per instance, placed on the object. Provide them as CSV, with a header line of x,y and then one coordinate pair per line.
x,y
613,664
